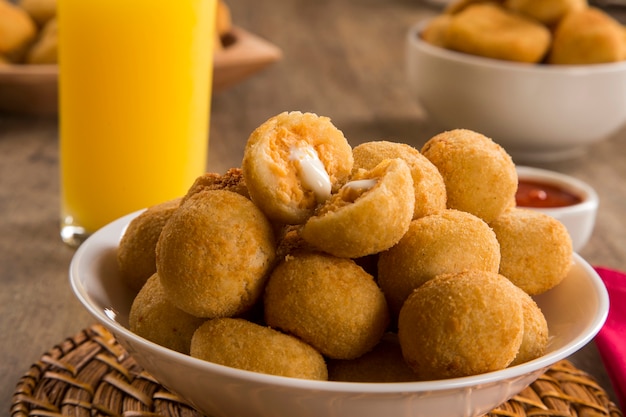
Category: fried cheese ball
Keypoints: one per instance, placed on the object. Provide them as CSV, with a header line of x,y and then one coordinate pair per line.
x,y
153,317
490,30
461,324
367,215
293,162
330,303
241,344
136,252
214,254
548,12
587,36
384,363
232,180
536,249
479,174
447,242
428,184
535,339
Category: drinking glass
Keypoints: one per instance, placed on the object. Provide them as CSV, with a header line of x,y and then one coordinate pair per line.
x,y
135,81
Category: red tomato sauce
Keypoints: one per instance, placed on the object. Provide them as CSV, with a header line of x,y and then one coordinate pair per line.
x,y
539,194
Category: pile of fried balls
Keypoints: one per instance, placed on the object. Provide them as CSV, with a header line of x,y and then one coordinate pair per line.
x,y
375,263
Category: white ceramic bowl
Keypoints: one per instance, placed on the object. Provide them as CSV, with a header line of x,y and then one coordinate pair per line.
x,y
536,112
579,219
575,311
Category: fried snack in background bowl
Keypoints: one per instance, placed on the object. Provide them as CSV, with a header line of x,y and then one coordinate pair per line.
x,y
588,36
557,32
17,31
489,30
45,48
28,30
548,12
41,11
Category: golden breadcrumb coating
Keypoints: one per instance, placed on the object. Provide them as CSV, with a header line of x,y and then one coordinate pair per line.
x,y
232,180
241,344
461,324
136,253
489,30
479,174
153,317
214,254
548,12
536,249
536,332
588,36
330,303
448,242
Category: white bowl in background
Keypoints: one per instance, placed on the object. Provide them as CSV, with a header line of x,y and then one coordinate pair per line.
x,y
580,218
537,112
575,311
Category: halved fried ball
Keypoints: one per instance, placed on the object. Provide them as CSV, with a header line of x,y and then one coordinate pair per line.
x,y
153,317
367,215
241,344
479,174
136,253
461,324
447,242
214,254
331,303
292,162
536,249
428,184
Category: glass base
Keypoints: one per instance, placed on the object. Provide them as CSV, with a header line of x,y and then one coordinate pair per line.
x,y
73,235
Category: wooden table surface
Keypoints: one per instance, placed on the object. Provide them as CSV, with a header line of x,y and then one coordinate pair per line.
x,y
342,59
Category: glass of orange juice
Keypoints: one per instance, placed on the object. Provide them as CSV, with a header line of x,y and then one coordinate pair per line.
x,y
134,91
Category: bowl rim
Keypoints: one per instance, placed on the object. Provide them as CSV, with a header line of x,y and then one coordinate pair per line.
x,y
415,41
590,199
88,251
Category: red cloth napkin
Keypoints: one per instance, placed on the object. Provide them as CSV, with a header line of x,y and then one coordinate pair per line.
x,y
611,340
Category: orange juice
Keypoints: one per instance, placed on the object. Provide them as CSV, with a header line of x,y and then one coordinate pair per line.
x,y
134,86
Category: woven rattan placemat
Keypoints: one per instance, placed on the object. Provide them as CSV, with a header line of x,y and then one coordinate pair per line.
x,y
91,375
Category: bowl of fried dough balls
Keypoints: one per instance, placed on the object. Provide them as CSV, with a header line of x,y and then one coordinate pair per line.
x,y
546,79
322,279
